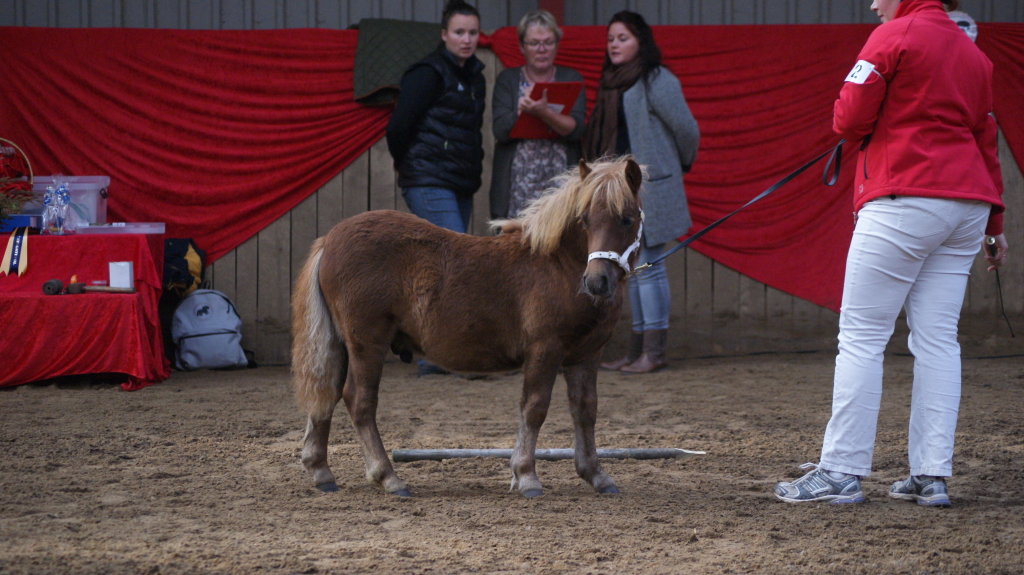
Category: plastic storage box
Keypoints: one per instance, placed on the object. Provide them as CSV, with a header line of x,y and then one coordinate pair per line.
x,y
88,197
124,228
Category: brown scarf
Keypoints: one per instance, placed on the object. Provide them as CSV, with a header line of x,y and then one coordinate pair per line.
x,y
602,129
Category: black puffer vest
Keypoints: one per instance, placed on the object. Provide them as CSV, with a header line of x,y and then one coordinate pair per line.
x,y
447,148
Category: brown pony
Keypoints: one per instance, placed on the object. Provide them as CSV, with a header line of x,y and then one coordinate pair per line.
x,y
528,298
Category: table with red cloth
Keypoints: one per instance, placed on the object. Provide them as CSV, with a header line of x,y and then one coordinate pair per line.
x,y
50,336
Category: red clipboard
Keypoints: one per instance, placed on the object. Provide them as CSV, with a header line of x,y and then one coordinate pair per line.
x,y
561,97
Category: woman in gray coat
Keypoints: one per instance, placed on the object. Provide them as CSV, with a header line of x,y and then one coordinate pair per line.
x,y
640,110
523,168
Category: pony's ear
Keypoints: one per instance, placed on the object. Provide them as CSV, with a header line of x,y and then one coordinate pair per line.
x,y
584,169
634,176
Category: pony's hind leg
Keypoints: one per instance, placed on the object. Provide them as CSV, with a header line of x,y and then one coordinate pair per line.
x,y
539,374
314,452
581,385
319,362
360,395
320,399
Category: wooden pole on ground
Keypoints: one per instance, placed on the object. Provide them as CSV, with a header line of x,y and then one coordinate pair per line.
x,y
407,455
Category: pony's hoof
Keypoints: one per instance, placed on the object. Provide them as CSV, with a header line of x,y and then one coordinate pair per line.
x,y
610,489
328,487
533,493
403,492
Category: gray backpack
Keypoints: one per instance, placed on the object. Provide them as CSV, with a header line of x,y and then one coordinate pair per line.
x,y
207,332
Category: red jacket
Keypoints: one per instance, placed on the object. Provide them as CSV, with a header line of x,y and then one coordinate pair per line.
x,y
919,100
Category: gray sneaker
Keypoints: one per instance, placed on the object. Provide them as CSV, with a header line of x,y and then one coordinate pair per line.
x,y
818,485
926,490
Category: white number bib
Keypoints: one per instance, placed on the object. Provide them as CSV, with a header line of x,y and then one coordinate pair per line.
x,y
861,72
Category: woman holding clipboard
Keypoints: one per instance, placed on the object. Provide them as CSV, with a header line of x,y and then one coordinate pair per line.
x,y
530,151
640,110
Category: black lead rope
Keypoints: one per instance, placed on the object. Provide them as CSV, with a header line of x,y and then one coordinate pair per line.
x,y
1002,308
990,247
834,162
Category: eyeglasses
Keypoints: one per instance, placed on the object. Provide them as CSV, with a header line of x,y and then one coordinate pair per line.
x,y
535,44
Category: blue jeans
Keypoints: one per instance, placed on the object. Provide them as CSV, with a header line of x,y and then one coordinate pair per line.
x,y
648,292
440,207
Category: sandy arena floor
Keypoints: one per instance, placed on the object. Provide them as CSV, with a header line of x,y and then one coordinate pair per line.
x,y
200,474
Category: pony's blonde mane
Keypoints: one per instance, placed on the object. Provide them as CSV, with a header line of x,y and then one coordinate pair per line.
x,y
546,218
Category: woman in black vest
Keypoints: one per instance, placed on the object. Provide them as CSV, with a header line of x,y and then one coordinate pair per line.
x,y
434,133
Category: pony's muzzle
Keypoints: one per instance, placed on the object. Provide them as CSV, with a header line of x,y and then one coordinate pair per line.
x,y
601,278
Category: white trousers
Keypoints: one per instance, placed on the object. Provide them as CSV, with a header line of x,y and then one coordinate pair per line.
x,y
914,253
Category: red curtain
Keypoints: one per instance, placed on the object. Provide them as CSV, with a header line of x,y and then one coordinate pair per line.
x,y
218,133
763,98
1004,45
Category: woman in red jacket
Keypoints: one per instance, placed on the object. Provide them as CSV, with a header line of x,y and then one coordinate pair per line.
x,y
928,188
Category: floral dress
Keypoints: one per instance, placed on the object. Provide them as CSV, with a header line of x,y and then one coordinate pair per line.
x,y
534,164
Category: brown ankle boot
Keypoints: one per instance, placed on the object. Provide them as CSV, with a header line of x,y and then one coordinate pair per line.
x,y
636,347
653,357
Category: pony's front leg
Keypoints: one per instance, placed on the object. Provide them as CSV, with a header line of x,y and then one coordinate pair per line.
x,y
360,395
539,373
581,385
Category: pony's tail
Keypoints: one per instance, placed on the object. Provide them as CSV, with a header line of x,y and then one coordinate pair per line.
x,y
319,357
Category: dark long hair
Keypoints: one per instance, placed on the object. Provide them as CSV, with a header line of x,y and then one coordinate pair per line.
x,y
648,54
953,4
454,7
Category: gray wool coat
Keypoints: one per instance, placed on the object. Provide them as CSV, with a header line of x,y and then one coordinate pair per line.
x,y
663,136
504,102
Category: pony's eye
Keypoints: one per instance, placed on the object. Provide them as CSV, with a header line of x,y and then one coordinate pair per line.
x,y
627,221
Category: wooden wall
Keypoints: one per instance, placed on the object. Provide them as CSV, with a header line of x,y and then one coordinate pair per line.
x,y
685,12
339,14
720,308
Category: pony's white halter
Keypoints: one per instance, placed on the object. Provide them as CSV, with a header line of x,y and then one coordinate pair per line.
x,y
622,260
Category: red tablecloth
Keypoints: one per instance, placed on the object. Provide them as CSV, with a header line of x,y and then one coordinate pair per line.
x,y
49,336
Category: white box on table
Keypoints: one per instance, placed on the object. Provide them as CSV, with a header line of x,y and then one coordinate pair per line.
x,y
122,274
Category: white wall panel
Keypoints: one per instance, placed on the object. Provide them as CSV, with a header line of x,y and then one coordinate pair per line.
x,y
516,9
580,12
358,10
299,14
809,11
8,13
776,12
101,14
169,14
427,10
265,15
684,12
680,13
605,9
69,14
330,14
744,12
396,9
712,12
234,14
652,10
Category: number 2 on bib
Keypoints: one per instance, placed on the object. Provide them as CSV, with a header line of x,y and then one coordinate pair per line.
x,y
861,72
